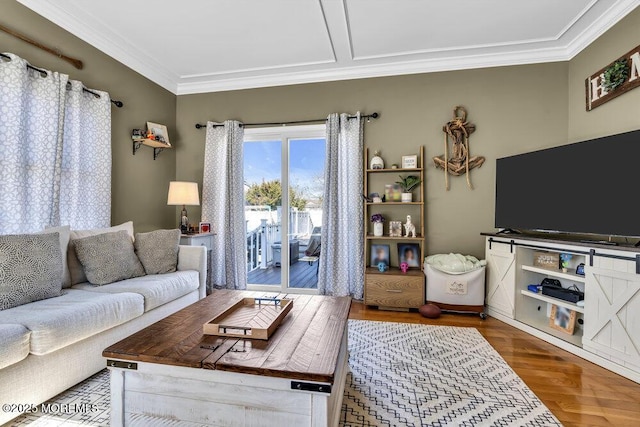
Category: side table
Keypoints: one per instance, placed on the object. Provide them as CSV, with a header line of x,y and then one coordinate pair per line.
x,y
201,239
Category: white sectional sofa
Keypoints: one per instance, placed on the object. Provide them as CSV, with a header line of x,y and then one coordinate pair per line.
x,y
49,345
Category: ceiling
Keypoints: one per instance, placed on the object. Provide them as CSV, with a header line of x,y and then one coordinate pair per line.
x,y
197,46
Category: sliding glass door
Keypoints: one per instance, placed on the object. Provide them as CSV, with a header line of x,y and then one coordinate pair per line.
x,y
284,180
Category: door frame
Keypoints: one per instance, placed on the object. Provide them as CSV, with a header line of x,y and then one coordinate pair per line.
x,y
284,134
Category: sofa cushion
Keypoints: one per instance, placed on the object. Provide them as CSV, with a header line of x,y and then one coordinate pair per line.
x,y
108,258
75,268
158,250
157,289
65,235
75,315
15,344
30,268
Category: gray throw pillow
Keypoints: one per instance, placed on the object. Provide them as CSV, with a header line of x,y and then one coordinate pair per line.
x,y
108,257
158,250
30,268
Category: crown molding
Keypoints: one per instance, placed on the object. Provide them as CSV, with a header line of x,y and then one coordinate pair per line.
x,y
606,20
113,45
375,70
517,54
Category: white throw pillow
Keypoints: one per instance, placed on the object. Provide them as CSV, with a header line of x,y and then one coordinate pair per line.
x,y
75,267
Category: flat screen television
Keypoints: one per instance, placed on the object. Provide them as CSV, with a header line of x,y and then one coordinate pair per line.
x,y
590,187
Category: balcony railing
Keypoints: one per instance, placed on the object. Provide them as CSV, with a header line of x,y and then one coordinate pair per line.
x,y
261,239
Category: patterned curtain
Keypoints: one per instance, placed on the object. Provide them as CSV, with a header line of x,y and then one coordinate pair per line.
x,y
223,203
85,187
55,151
342,258
31,130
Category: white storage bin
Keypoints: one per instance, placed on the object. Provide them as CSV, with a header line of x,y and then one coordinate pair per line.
x,y
462,292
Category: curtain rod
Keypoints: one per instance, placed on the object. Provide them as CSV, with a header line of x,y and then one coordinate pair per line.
x,y
43,73
296,122
73,61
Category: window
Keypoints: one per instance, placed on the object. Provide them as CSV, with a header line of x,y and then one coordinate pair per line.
x,y
284,183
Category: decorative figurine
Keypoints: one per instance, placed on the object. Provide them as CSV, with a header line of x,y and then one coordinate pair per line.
x,y
382,267
404,267
564,259
409,228
376,161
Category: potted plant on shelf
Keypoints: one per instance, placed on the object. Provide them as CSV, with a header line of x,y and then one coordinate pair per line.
x,y
407,184
377,220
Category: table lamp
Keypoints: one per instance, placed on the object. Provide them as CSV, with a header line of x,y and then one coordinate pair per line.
x,y
183,193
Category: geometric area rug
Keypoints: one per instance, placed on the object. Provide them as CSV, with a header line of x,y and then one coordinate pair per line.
x,y
423,375
400,375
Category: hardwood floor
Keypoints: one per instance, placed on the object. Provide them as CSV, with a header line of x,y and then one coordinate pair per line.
x,y
578,392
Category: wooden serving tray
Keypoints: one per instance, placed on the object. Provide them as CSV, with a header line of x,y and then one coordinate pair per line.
x,y
252,318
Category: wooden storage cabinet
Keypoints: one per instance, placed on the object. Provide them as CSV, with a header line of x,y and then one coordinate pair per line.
x,y
394,290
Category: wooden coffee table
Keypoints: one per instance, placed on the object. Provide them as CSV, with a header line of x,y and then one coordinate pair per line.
x,y
170,373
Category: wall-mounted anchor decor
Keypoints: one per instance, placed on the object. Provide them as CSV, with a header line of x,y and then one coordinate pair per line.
x,y
458,130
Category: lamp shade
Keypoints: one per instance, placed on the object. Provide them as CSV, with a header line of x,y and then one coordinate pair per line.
x,y
183,193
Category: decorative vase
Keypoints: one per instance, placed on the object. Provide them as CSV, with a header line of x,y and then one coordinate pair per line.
x,y
376,161
378,229
407,197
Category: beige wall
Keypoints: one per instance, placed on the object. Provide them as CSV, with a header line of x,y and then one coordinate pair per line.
x,y
139,184
618,115
515,109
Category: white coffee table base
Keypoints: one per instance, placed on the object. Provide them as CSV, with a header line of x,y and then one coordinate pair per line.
x,y
163,395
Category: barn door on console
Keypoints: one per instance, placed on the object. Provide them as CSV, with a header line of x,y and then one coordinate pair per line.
x,y
501,278
612,311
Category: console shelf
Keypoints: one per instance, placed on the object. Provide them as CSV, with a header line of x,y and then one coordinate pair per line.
x,y
604,331
553,273
552,300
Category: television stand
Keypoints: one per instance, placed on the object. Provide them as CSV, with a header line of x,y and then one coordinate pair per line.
x,y
600,242
509,231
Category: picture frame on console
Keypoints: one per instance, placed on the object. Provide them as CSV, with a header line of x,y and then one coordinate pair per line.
x,y
204,227
409,253
380,253
410,162
562,319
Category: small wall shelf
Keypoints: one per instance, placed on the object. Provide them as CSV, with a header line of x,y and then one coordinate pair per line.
x,y
158,147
